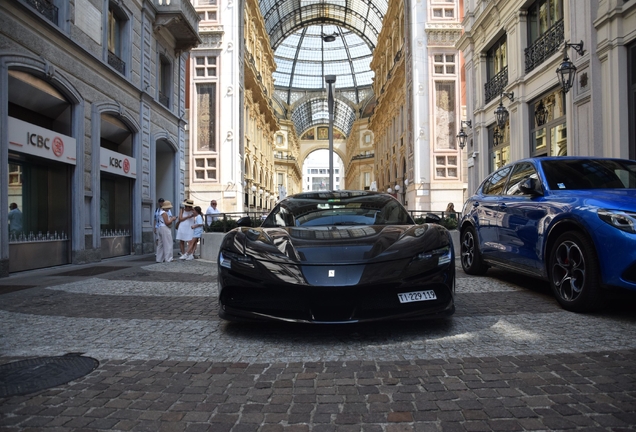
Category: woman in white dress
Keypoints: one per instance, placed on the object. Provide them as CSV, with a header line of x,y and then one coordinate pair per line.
x,y
184,229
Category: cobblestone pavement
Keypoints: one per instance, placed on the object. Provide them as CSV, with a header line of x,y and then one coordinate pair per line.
x,y
509,359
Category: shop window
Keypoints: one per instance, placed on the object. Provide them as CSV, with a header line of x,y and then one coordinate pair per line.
x,y
205,168
165,80
446,167
545,31
549,128
498,147
42,193
497,69
117,38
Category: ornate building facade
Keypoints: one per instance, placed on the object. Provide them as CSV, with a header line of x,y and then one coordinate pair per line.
x,y
92,125
418,86
512,50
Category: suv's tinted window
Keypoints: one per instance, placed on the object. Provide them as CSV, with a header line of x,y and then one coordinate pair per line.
x,y
589,174
520,172
495,183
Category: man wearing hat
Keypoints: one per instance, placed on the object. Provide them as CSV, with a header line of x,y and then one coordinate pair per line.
x,y
157,213
184,230
165,244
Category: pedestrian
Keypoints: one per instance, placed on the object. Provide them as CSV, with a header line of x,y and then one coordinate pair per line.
x,y
197,232
184,226
212,210
165,245
450,211
15,219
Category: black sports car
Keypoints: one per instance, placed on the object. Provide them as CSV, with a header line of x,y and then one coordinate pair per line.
x,y
336,257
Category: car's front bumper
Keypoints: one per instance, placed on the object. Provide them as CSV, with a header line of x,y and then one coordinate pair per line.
x,y
374,298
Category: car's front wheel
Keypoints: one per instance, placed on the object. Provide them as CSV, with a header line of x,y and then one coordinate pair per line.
x,y
470,254
574,273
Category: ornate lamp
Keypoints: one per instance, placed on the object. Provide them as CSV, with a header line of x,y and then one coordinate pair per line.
x,y
566,70
501,113
462,136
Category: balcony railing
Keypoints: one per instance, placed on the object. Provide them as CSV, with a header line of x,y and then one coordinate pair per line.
x,y
118,64
496,85
545,46
164,99
363,156
46,8
284,157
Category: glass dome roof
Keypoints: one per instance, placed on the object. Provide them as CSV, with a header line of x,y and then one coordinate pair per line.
x,y
304,58
314,38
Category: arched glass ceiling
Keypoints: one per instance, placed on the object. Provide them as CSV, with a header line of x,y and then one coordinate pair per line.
x,y
284,17
304,58
315,112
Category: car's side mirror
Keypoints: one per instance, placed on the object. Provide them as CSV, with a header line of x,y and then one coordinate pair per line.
x,y
531,186
244,222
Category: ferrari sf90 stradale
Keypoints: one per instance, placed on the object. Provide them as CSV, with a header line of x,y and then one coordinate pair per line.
x,y
337,257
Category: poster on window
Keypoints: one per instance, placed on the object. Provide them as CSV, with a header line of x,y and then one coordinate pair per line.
x,y
445,115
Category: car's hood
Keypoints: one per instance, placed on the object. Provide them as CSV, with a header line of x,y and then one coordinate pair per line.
x,y
337,245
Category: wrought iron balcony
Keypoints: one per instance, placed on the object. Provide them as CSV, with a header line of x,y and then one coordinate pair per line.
x,y
545,46
164,99
118,64
496,85
284,157
47,9
180,19
363,156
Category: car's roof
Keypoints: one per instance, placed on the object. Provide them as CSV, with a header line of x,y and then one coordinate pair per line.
x,y
334,194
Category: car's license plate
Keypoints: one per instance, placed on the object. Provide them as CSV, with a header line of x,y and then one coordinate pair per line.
x,y
416,296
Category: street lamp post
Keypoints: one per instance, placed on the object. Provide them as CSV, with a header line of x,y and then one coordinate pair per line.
x,y
330,79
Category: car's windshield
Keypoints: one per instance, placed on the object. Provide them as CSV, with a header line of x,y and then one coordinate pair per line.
x,y
589,174
375,209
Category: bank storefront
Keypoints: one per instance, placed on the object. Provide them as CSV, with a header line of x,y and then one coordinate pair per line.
x,y
41,162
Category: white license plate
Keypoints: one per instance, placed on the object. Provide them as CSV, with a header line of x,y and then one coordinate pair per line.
x,y
416,296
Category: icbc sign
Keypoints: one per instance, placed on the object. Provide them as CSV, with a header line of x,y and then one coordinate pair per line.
x,y
117,163
40,141
120,164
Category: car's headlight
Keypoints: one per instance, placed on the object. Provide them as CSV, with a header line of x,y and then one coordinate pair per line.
x,y
226,258
624,221
443,255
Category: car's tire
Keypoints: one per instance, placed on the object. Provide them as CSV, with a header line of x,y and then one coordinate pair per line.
x,y
574,273
470,254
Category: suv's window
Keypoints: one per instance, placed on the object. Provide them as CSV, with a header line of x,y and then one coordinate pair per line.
x,y
589,174
495,183
520,172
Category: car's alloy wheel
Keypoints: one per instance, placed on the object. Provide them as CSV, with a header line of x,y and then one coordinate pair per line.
x,y
470,255
574,274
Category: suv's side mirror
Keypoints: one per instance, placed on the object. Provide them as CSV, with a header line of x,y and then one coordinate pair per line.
x,y
244,222
531,186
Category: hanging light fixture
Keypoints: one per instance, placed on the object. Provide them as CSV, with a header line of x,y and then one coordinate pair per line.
x,y
396,187
389,190
540,113
501,113
566,70
462,136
